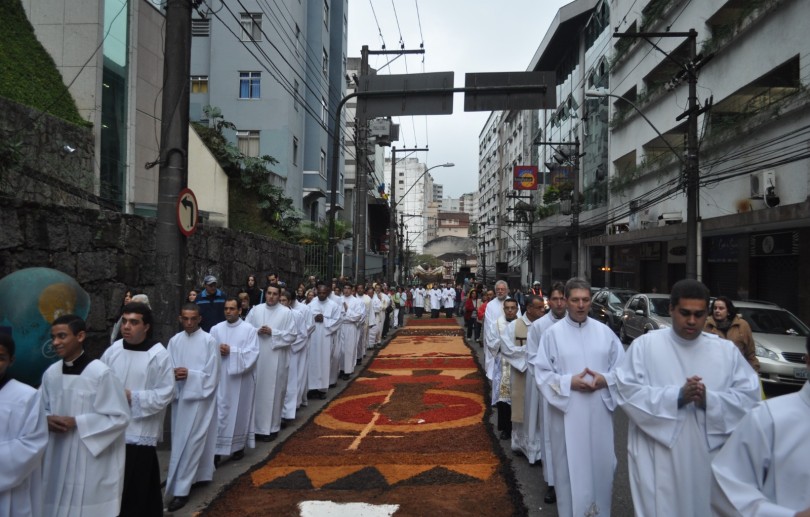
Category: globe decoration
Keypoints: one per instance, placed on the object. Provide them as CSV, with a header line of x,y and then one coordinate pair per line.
x,y
31,299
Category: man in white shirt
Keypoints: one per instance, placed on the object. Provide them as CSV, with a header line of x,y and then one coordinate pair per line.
x,y
435,297
238,343
144,367
87,412
23,439
418,296
326,315
297,377
763,467
683,391
574,364
196,359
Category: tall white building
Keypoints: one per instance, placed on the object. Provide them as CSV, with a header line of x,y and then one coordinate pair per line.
x,y
414,191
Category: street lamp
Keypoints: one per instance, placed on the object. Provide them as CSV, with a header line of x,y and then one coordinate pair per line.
x,y
393,218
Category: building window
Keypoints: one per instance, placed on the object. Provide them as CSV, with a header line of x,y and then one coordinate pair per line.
x,y
250,85
323,164
295,151
295,94
200,27
248,142
326,14
199,84
297,39
323,111
325,62
251,27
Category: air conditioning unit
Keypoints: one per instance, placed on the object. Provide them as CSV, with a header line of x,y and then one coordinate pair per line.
x,y
761,181
670,218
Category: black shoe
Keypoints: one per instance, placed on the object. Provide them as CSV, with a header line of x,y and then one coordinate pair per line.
x,y
286,421
333,385
551,496
506,435
321,395
263,438
272,436
217,461
177,503
238,455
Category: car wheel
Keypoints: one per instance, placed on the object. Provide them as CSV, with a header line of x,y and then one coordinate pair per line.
x,y
623,335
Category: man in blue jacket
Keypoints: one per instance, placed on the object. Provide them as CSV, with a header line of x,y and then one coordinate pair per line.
x,y
212,304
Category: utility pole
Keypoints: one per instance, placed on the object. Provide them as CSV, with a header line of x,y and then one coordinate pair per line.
x,y
692,170
392,222
361,178
401,249
170,244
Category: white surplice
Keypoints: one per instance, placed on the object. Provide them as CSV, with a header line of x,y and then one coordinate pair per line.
x,y
418,295
669,450
493,311
362,339
500,382
237,386
353,312
83,470
763,468
150,378
375,327
435,297
273,365
322,342
526,436
298,359
580,423
23,439
194,411
536,412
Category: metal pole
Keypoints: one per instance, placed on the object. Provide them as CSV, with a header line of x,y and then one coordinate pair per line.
x,y
170,253
575,206
392,221
692,171
401,257
361,179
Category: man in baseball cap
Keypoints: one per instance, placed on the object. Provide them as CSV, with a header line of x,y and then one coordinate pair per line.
x,y
212,304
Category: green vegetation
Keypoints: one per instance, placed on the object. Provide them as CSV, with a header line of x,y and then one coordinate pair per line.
x,y
29,75
254,205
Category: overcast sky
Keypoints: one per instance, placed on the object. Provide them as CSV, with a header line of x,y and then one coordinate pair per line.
x,y
461,36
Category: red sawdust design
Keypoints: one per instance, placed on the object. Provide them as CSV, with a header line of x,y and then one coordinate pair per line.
x,y
409,431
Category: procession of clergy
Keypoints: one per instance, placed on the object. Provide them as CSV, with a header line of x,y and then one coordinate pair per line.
x,y
85,443
700,440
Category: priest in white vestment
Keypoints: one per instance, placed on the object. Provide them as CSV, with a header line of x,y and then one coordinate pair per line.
x,y
418,296
23,439
575,362
326,315
375,324
493,311
144,367
304,325
87,413
277,332
352,313
196,361
362,339
536,406
501,382
684,391
515,353
764,467
435,299
238,343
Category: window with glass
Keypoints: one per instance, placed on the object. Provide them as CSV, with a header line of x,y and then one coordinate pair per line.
x,y
323,163
199,84
295,151
248,142
326,14
250,85
251,27
323,111
325,62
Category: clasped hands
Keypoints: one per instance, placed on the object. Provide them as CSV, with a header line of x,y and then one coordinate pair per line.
x,y
693,391
580,383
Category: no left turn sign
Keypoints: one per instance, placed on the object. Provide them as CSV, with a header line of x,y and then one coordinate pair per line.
x,y
187,212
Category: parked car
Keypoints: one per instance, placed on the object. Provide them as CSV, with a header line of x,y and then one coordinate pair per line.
x,y
608,304
643,313
780,339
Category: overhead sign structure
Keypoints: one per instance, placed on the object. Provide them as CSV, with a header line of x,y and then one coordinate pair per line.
x,y
524,177
187,212
411,94
510,91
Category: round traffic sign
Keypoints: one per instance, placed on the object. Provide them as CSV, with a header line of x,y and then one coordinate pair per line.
x,y
187,212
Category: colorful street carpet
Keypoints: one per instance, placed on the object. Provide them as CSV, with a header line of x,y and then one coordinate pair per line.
x,y
407,437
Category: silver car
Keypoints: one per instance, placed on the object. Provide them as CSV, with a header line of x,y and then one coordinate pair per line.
x,y
780,339
643,313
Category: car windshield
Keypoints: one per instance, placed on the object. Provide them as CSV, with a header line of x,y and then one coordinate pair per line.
x,y
660,306
620,297
773,321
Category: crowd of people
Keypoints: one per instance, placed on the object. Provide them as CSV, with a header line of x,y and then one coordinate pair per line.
x,y
700,439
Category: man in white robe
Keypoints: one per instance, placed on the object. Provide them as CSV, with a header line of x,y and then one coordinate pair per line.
x,y
352,313
238,343
326,315
375,325
196,360
418,296
144,367
435,298
515,353
298,354
501,383
684,391
23,439
574,362
536,406
277,332
492,360
87,413
763,467
448,300
362,339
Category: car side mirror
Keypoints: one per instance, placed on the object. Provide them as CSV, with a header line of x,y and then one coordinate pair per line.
x,y
640,312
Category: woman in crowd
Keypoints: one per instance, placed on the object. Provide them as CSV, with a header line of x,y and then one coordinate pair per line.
x,y
128,294
192,296
253,290
471,306
301,293
244,303
726,323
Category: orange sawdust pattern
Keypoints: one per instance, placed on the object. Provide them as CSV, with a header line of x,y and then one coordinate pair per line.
x,y
408,431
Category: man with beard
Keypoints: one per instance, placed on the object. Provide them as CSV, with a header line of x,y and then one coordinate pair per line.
x,y
326,316
353,310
